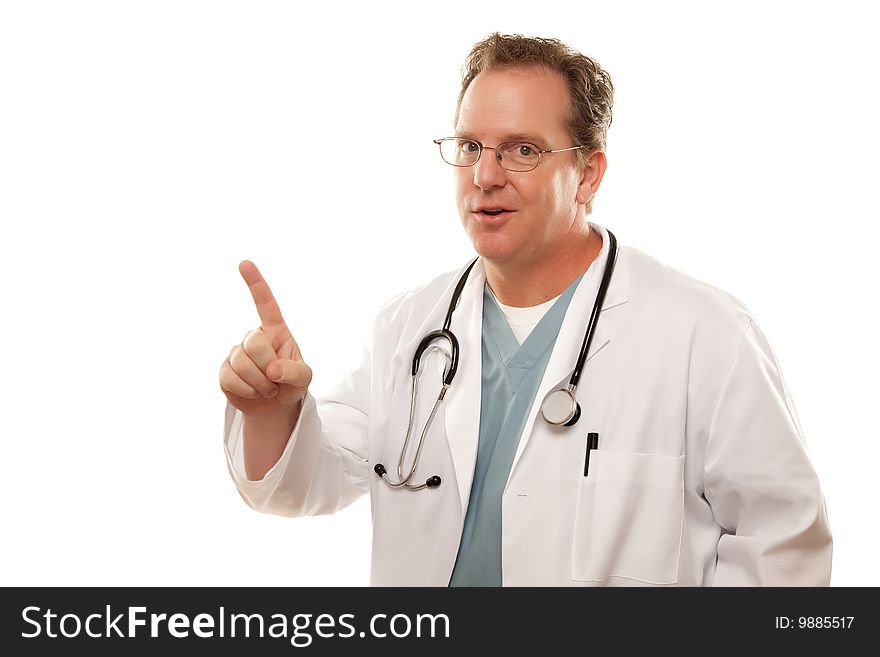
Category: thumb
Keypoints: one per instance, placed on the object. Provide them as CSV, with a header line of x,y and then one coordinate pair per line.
x,y
290,372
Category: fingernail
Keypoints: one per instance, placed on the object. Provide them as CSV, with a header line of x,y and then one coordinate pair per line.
x,y
274,371
272,392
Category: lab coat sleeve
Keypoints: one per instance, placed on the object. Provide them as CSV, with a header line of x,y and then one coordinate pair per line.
x,y
759,481
323,467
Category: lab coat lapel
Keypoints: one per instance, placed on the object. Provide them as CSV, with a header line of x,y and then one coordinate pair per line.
x,y
571,337
462,416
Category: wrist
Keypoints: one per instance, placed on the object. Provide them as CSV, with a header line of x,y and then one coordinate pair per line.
x,y
279,424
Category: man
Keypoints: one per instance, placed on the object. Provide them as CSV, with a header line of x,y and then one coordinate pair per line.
x,y
683,463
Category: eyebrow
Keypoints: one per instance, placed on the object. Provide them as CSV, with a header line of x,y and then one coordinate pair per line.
x,y
519,136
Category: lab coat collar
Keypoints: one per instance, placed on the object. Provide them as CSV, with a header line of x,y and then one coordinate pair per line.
x,y
571,335
462,415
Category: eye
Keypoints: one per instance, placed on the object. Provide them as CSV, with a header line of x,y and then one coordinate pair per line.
x,y
521,151
468,146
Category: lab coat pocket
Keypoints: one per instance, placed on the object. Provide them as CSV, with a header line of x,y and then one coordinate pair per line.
x,y
628,518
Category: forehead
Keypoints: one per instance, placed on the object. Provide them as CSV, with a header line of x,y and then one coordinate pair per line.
x,y
515,102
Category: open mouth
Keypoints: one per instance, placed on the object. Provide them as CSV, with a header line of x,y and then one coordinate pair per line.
x,y
493,212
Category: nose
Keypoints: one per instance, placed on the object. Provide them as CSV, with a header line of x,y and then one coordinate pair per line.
x,y
488,172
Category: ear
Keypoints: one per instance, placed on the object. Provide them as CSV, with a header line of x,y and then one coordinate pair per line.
x,y
591,176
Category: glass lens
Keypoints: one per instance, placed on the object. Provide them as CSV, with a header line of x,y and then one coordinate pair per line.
x,y
459,152
519,156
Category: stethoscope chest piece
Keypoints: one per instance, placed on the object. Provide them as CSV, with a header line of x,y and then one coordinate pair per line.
x,y
560,408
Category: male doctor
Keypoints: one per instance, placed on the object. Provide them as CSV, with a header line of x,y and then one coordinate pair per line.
x,y
685,464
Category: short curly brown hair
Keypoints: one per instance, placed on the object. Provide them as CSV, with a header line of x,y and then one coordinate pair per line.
x,y
589,86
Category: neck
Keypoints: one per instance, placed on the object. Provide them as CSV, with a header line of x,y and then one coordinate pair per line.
x,y
526,283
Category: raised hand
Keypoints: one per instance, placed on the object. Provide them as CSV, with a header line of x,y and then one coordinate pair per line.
x,y
265,374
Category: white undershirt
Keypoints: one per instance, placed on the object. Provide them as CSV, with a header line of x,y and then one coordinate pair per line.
x,y
523,320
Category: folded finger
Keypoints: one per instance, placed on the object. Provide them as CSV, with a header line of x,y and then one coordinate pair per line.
x,y
232,383
258,347
247,369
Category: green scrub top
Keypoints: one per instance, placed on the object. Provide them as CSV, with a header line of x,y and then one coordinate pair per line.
x,y
511,376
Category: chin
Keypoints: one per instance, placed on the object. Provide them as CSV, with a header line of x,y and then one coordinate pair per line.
x,y
495,248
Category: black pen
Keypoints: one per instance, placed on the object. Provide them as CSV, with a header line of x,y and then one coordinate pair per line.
x,y
592,443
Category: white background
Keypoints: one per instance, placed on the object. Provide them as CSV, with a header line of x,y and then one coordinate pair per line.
x,y
147,147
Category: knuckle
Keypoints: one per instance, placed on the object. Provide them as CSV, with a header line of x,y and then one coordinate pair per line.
x,y
225,378
248,342
239,360
254,342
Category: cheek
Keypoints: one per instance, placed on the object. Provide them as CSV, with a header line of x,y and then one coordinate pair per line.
x,y
560,193
463,186
546,198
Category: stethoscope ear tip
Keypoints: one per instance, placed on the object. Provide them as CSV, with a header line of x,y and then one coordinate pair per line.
x,y
433,482
379,470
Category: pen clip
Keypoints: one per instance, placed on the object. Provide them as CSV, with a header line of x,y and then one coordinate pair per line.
x,y
592,443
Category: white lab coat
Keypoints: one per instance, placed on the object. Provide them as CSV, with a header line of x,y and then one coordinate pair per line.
x,y
701,476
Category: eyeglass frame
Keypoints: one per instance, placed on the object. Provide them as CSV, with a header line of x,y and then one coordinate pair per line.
x,y
498,157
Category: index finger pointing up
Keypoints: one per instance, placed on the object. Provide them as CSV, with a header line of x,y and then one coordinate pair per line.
x,y
267,307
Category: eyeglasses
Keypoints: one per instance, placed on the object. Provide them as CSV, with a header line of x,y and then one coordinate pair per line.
x,y
517,156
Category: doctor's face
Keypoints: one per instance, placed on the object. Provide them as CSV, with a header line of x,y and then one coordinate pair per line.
x,y
540,207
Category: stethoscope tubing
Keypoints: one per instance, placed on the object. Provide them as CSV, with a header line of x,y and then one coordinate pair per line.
x,y
594,315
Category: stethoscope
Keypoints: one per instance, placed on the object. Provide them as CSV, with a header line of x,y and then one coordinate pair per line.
x,y
559,408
